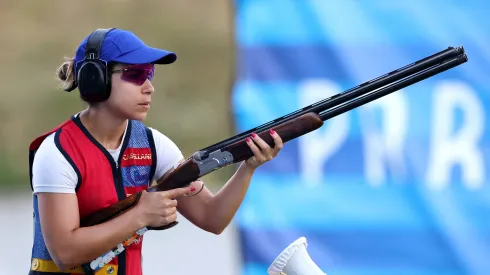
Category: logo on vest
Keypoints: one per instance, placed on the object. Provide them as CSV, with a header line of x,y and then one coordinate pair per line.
x,y
136,156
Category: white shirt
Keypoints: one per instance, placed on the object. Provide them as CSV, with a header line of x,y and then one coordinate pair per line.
x,y
51,172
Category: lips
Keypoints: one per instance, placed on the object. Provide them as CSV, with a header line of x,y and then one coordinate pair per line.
x,y
145,104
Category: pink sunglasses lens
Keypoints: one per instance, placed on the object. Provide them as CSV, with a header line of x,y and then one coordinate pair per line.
x,y
138,74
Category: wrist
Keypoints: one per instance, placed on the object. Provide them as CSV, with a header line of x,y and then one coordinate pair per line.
x,y
139,216
247,168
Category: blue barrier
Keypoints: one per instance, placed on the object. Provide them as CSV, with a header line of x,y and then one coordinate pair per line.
x,y
398,186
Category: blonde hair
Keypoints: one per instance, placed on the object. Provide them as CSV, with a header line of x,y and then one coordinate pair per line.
x,y
65,74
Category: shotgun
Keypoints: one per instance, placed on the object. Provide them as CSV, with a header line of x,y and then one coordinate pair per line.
x,y
290,126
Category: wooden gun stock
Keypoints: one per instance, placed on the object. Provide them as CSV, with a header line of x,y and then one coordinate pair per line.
x,y
288,130
111,211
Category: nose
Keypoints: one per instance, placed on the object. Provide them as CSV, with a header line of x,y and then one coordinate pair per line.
x,y
147,87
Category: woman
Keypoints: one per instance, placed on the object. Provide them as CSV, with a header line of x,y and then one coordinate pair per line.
x,y
105,153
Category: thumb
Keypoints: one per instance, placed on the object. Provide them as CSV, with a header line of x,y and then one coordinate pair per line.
x,y
178,192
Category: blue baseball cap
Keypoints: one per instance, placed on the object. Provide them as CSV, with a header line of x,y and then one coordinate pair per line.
x,y
123,46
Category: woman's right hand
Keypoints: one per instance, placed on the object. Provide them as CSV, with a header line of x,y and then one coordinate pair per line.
x,y
160,208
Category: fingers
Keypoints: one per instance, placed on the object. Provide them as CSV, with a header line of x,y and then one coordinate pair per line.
x,y
266,152
277,140
264,147
198,186
170,203
258,156
170,211
177,192
169,219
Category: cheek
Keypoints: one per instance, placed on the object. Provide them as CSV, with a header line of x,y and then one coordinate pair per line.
x,y
122,94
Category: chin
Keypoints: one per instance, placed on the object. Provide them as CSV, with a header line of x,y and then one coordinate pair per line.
x,y
138,116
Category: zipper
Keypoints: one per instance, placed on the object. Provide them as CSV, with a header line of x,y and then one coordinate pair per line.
x,y
118,181
120,191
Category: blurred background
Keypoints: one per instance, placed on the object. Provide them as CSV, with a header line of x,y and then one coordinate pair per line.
x,y
398,186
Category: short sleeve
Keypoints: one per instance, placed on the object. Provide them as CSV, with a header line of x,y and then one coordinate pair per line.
x,y
168,154
51,171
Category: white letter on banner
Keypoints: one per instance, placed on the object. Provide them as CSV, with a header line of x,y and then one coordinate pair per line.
x,y
449,149
317,146
384,147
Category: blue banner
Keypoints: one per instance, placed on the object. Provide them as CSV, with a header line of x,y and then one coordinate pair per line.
x,y
397,186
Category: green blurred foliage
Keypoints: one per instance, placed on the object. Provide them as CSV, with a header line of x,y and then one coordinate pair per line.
x,y
192,100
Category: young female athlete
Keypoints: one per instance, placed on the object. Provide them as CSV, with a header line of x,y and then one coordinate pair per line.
x,y
105,153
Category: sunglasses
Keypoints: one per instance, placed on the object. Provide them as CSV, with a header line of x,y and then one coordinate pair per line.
x,y
137,74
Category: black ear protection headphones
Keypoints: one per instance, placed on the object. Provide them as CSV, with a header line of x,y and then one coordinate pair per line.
x,y
93,79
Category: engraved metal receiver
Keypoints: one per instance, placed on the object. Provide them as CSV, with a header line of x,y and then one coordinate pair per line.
x,y
212,161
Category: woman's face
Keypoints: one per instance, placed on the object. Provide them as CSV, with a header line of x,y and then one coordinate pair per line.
x,y
131,91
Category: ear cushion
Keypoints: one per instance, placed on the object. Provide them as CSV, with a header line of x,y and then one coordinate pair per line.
x,y
92,81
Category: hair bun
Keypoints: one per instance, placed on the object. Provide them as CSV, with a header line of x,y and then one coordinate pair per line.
x,y
64,73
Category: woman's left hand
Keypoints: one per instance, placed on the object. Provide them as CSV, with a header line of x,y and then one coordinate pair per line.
x,y
262,151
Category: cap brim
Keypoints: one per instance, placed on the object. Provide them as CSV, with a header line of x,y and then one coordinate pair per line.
x,y
147,55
